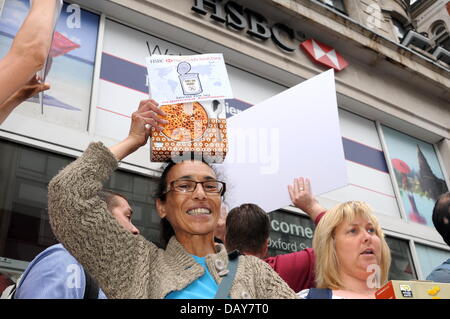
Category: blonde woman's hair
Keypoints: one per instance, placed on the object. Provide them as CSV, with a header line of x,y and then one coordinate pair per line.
x,y
327,264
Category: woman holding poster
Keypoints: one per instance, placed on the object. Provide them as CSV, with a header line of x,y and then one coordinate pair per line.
x,y
188,200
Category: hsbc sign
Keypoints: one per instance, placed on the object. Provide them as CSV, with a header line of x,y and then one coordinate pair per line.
x,y
324,54
238,18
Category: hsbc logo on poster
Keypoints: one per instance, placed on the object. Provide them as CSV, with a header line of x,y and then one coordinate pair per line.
x,y
324,54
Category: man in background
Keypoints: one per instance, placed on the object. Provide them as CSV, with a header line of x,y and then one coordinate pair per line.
x,y
247,230
56,274
441,221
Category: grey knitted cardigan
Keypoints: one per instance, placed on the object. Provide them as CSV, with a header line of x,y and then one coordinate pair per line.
x,y
127,265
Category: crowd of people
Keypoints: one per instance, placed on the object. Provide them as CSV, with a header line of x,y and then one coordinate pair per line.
x,y
204,252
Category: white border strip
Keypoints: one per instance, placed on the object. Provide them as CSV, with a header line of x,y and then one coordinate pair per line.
x,y
441,160
416,261
95,91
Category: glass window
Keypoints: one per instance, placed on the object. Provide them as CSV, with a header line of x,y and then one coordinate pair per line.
x,y
418,174
11,269
438,29
24,224
70,65
400,30
336,4
289,232
440,35
367,170
430,258
444,41
402,267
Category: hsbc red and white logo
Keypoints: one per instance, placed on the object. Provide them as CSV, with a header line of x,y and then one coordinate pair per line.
x,y
324,54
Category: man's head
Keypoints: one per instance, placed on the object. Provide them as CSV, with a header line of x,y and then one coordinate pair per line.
x,y
118,206
441,216
247,230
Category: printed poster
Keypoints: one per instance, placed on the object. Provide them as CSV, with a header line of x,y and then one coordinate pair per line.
x,y
188,78
418,175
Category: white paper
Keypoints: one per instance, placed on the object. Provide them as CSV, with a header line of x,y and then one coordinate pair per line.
x,y
180,79
2,4
42,74
293,134
58,5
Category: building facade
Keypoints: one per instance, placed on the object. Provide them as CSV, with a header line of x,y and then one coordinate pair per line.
x,y
393,89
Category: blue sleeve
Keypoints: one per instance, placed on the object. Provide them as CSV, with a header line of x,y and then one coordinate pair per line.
x,y
440,274
53,274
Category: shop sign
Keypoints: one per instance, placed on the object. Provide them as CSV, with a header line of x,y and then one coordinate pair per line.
x,y
238,18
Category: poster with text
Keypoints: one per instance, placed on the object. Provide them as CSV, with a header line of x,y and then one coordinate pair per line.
x,y
418,174
188,78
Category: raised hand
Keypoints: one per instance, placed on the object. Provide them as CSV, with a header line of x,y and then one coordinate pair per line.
x,y
302,197
31,88
147,115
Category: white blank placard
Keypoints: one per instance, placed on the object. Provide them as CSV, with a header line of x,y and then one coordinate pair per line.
x,y
295,133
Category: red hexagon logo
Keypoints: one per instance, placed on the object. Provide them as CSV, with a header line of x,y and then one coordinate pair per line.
x,y
323,54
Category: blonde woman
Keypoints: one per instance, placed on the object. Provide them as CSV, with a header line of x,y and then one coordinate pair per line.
x,y
352,256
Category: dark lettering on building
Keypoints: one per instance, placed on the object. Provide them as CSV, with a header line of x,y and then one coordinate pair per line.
x,y
238,18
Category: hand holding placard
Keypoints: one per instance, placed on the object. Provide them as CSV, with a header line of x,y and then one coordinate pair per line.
x,y
147,113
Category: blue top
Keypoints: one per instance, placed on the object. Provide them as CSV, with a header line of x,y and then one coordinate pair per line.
x,y
441,273
204,287
53,274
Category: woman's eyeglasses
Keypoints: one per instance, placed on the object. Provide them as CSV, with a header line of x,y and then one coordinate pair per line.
x,y
189,186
